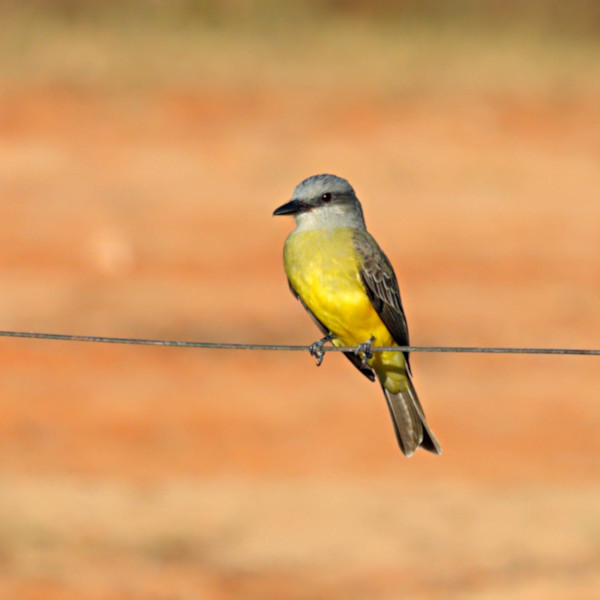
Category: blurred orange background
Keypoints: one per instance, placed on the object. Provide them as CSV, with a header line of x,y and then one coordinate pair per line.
x,y
143,148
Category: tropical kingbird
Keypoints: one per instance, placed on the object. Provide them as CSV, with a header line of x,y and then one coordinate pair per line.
x,y
348,286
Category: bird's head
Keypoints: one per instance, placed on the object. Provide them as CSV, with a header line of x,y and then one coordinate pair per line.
x,y
323,201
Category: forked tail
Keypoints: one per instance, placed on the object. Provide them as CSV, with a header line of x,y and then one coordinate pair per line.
x,y
410,424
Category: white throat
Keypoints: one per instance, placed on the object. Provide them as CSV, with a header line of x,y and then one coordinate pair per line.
x,y
331,216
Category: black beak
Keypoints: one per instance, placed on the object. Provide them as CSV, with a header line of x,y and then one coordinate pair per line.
x,y
289,208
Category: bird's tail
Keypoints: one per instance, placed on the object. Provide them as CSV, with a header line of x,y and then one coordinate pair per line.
x,y
410,424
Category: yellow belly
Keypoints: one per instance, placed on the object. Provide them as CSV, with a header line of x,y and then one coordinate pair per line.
x,y
323,268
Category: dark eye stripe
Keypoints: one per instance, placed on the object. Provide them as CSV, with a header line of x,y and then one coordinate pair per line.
x,y
326,197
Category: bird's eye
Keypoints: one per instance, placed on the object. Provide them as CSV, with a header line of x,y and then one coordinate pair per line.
x,y
326,197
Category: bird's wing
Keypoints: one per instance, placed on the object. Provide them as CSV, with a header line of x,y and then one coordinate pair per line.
x,y
353,358
381,285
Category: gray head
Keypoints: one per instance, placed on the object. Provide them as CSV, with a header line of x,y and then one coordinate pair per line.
x,y
323,201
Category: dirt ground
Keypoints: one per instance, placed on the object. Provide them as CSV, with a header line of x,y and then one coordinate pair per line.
x,y
145,473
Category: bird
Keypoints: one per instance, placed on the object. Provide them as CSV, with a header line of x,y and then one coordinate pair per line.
x,y
337,270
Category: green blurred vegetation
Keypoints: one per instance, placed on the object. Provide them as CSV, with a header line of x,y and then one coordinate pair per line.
x,y
556,16
394,46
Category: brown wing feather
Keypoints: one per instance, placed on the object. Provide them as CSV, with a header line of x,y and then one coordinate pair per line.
x,y
381,285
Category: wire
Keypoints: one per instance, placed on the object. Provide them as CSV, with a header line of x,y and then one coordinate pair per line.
x,y
291,348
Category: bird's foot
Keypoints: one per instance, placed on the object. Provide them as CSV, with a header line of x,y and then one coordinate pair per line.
x,y
316,348
364,351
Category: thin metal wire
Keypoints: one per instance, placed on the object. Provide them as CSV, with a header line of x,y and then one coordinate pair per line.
x,y
291,348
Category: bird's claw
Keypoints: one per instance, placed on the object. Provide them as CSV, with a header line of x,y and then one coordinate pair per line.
x,y
364,351
316,348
